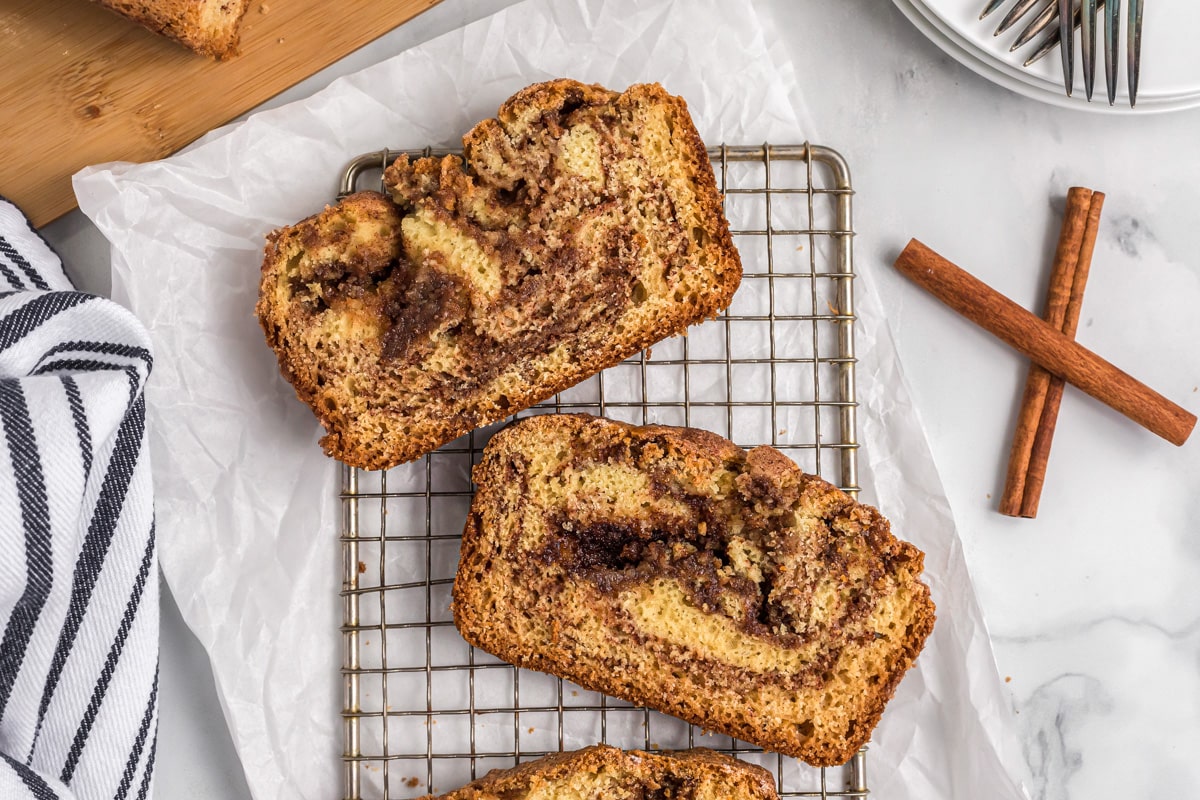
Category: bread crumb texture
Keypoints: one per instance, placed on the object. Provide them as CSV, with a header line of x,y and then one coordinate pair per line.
x,y
209,27
579,227
669,567
607,773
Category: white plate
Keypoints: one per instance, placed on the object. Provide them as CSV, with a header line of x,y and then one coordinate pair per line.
x,y
1169,68
1031,83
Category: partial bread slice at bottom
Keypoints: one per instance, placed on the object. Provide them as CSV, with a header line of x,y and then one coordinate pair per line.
x,y
607,773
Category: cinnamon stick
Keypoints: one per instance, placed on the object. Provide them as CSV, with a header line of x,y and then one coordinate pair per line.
x,y
1038,459
1037,382
1029,335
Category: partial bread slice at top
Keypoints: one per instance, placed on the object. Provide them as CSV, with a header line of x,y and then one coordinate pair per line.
x,y
580,226
670,568
607,773
209,27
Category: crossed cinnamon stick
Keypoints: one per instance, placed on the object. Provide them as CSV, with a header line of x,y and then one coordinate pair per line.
x,y
1056,357
1043,391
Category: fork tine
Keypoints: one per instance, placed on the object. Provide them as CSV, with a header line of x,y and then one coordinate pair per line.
x,y
1112,29
1047,45
1014,14
1051,40
1072,14
991,6
1134,48
1087,39
1040,23
1067,38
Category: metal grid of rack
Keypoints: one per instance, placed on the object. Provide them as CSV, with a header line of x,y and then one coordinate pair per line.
x,y
423,711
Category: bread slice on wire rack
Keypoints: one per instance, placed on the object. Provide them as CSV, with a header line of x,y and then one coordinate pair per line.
x,y
602,772
579,226
668,567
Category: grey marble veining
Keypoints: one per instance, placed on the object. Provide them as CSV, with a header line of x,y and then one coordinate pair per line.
x,y
1047,719
1131,234
1123,723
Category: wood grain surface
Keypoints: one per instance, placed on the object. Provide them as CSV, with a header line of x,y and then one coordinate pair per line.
x,y
81,85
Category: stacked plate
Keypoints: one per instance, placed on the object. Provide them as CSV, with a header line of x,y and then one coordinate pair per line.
x,y
1170,67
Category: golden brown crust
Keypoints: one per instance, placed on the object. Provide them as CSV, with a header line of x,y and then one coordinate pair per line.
x,y
209,27
727,588
580,227
684,775
299,348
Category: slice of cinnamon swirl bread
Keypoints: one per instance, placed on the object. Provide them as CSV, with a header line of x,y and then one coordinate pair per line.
x,y
580,226
209,27
606,773
669,567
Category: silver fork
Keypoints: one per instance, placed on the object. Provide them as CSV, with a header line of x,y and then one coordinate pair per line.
x,y
1082,15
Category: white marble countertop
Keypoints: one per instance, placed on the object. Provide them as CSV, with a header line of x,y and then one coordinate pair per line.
x,y
1092,607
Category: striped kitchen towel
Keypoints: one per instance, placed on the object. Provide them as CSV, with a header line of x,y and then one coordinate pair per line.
x,y
78,567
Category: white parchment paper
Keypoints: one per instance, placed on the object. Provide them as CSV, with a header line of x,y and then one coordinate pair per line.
x,y
247,510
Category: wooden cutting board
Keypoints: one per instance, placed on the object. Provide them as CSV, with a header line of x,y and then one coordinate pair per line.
x,y
80,85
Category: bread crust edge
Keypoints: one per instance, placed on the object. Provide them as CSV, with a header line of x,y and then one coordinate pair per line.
x,y
478,633
594,757
593,351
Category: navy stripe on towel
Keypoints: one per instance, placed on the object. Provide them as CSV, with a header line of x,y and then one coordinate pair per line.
x,y
82,429
110,664
17,324
95,547
22,262
100,348
140,743
35,519
144,789
35,783
12,279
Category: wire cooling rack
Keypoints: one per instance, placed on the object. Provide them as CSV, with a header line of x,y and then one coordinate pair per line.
x,y
426,713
